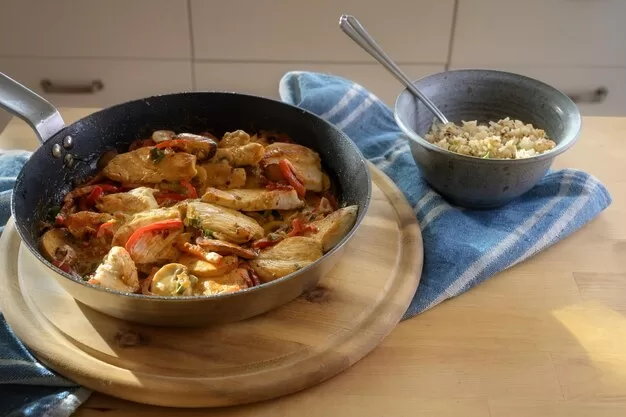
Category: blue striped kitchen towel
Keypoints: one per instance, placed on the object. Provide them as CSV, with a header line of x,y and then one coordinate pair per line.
x,y
27,388
461,247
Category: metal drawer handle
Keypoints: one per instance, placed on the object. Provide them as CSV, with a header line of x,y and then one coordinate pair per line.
x,y
49,87
596,96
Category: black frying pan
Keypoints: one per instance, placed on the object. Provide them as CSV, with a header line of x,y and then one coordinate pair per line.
x,y
69,154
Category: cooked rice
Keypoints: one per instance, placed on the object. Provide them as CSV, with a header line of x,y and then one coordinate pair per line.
x,y
504,139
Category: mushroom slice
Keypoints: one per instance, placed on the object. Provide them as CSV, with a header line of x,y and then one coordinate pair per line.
x,y
173,280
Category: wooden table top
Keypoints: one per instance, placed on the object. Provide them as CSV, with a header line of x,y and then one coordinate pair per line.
x,y
545,338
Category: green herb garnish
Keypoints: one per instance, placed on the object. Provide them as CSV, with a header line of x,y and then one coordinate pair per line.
x,y
157,155
194,222
486,156
208,233
179,288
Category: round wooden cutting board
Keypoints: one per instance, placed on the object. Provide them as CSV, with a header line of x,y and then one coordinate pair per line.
x,y
286,350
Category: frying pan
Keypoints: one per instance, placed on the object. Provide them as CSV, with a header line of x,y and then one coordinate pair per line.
x,y
69,154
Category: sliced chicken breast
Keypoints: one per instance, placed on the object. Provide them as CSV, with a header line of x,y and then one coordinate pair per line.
x,y
287,256
222,223
149,165
306,162
117,272
131,202
254,199
332,228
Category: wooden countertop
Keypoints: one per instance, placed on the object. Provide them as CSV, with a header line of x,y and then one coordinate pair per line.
x,y
545,338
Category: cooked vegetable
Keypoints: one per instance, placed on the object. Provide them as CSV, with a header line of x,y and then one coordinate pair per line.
x,y
173,280
153,227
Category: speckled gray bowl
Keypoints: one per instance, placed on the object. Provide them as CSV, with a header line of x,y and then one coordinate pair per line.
x,y
485,95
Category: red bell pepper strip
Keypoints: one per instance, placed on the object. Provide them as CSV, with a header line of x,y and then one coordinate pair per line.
x,y
289,172
105,228
95,194
170,143
162,197
264,243
156,226
298,227
62,266
190,189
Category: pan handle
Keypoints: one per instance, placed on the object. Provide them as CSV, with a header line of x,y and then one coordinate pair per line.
x,y
35,110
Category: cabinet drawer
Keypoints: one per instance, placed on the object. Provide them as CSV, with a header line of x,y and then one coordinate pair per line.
x,y
263,79
581,84
576,33
416,31
121,80
95,28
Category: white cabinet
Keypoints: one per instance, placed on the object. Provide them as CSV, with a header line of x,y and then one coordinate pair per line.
x,y
95,28
412,31
143,47
565,33
121,80
596,91
263,78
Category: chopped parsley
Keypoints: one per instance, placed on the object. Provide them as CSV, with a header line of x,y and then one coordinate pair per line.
x,y
157,155
208,233
179,288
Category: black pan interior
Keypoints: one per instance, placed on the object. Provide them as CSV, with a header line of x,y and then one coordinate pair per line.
x,y
44,179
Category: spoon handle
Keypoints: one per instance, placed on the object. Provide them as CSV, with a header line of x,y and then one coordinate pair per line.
x,y
351,26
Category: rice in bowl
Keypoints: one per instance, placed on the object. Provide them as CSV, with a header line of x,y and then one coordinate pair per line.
x,y
504,139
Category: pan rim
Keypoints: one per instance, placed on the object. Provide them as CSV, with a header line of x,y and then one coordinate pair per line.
x,y
362,210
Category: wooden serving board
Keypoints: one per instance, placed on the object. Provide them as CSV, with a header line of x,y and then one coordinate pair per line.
x,y
286,350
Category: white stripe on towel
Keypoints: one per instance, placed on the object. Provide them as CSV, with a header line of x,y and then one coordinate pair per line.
x,y
569,214
434,213
341,104
488,258
357,112
395,154
426,198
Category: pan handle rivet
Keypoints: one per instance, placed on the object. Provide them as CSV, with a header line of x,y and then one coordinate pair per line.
x,y
68,142
69,160
56,150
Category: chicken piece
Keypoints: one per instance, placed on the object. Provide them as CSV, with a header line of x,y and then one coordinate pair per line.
x,y
287,256
233,281
236,138
173,279
85,223
254,199
149,165
222,223
225,248
222,175
117,272
332,228
204,269
306,162
239,156
144,218
131,202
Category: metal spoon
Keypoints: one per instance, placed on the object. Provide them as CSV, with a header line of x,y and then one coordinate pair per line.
x,y
351,26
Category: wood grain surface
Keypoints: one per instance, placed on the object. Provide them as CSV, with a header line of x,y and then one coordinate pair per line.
x,y
544,339
286,350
